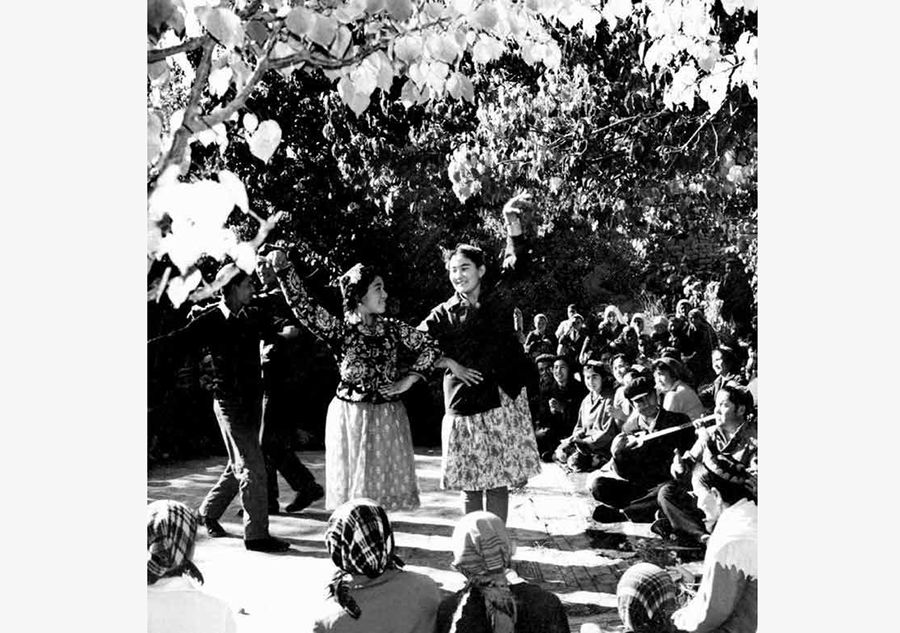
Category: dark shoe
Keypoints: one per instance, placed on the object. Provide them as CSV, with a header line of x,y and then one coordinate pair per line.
x,y
269,545
606,514
662,528
213,528
304,498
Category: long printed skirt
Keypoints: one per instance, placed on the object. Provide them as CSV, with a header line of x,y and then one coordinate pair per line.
x,y
369,453
491,449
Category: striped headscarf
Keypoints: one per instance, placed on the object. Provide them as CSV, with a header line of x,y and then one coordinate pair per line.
x,y
482,552
171,529
360,540
646,595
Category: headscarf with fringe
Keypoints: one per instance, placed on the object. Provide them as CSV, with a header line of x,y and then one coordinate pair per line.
x,y
646,596
482,552
171,530
360,540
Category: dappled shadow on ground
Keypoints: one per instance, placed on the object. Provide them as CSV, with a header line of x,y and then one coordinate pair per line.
x,y
651,550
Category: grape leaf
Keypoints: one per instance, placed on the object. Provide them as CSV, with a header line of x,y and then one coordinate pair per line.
x,y
410,94
250,122
350,11
299,21
257,31
236,188
374,6
484,18
158,14
158,73
442,48
154,137
460,87
487,49
355,100
323,30
179,288
219,80
408,48
224,26
265,140
385,70
341,43
400,10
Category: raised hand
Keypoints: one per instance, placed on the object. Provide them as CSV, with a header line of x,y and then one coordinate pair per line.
x,y
278,260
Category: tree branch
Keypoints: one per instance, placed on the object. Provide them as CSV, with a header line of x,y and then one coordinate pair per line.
x,y
159,54
223,114
183,134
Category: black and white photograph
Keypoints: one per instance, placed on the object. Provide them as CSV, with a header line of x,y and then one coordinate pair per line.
x,y
446,315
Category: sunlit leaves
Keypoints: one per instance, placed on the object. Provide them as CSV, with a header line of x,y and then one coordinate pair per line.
x,y
714,87
460,87
683,88
250,122
399,10
236,188
219,80
487,49
408,48
484,18
299,21
264,140
223,25
154,137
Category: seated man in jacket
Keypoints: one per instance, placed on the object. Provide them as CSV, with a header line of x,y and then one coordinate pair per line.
x,y
641,468
733,435
558,408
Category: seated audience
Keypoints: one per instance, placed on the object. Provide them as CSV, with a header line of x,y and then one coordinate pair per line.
x,y
621,408
572,342
727,597
725,365
678,396
640,468
370,592
540,340
558,408
678,336
703,341
587,448
659,338
491,602
175,600
733,435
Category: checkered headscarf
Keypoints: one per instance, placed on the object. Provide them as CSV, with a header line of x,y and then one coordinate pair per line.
x,y
646,595
171,529
482,552
360,540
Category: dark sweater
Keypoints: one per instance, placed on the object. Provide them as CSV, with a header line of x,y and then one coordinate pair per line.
x,y
482,338
649,465
538,611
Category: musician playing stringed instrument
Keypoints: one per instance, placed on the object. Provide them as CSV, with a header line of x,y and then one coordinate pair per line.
x,y
733,435
641,455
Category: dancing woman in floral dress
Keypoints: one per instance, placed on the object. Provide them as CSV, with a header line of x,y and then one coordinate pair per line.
x,y
368,444
486,433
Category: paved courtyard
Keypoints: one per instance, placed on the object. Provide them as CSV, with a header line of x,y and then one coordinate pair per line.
x,y
557,544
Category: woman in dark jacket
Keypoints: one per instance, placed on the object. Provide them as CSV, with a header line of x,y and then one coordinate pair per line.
x,y
487,433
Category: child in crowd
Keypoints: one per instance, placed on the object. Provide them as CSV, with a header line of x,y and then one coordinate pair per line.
x,y
587,448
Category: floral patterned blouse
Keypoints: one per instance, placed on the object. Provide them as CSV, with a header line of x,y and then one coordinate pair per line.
x,y
367,355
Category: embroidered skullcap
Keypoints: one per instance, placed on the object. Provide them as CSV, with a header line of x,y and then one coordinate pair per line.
x,y
724,465
360,540
646,598
171,530
355,284
482,552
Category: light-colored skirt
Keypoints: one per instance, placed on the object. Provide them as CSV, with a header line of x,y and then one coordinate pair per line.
x,y
491,449
369,453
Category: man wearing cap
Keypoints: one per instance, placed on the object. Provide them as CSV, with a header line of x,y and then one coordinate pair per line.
x,y
230,333
641,468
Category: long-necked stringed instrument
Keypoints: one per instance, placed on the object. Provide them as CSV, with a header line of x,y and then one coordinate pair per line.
x,y
706,420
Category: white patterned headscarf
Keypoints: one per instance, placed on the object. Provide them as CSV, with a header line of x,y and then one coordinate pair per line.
x,y
482,552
